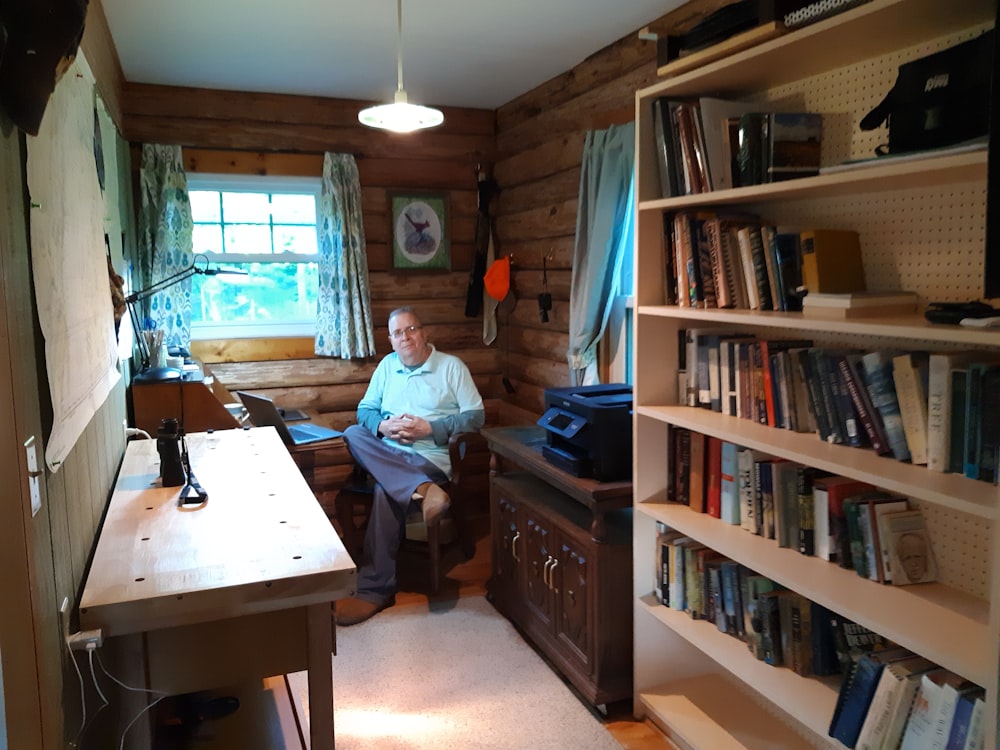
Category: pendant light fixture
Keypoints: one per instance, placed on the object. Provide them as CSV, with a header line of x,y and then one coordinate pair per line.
x,y
400,116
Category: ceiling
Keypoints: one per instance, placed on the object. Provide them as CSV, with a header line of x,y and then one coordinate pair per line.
x,y
456,53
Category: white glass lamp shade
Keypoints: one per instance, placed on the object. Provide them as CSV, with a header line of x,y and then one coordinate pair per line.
x,y
400,116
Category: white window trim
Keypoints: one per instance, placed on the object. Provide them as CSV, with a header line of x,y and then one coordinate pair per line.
x,y
255,184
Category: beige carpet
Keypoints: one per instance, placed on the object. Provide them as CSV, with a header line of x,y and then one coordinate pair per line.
x,y
455,679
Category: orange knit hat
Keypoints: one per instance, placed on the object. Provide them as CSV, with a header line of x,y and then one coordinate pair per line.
x,y
497,279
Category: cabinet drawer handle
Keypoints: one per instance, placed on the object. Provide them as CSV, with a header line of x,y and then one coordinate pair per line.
x,y
546,571
513,546
551,571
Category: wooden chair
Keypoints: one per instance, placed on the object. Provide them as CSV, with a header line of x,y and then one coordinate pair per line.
x,y
470,462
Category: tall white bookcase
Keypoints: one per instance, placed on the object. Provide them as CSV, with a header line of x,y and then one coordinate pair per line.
x,y
922,227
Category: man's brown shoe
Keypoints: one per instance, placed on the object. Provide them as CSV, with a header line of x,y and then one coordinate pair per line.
x,y
434,503
352,610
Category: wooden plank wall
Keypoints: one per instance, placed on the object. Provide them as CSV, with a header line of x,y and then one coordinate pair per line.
x,y
540,138
244,133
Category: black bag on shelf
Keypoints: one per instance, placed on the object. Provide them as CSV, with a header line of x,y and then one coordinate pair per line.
x,y
938,100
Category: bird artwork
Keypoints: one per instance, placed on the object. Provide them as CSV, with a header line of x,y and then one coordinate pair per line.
x,y
419,239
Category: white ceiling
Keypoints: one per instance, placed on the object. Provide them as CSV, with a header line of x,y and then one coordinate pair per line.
x,y
456,53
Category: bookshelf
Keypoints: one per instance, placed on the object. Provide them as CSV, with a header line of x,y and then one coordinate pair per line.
x,y
922,225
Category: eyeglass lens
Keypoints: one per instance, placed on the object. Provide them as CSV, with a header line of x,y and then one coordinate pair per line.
x,y
400,332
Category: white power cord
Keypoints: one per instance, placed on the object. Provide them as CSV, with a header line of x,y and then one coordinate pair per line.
x,y
131,432
162,695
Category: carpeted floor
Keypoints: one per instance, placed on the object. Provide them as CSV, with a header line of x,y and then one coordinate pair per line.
x,y
458,678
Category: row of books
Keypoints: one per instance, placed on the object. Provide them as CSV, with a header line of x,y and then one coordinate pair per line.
x,y
705,144
889,697
734,260
779,626
852,523
939,409
893,698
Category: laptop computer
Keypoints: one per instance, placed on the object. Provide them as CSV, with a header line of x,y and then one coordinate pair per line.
x,y
263,413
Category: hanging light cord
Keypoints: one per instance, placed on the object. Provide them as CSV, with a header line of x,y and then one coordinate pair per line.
x,y
399,45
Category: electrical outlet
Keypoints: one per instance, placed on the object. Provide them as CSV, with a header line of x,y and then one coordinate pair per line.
x,y
86,639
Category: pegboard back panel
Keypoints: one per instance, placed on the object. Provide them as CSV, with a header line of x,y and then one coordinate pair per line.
x,y
847,94
925,240
961,545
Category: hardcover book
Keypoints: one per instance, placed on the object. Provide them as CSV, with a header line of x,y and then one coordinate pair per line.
x,y
846,725
793,140
728,488
878,376
831,261
909,374
911,554
858,304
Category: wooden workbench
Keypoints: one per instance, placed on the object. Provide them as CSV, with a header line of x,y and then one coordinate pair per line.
x,y
236,589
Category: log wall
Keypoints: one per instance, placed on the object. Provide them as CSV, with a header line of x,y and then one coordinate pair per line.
x,y
267,134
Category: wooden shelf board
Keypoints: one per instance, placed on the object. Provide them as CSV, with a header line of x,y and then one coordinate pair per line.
x,y
947,626
934,170
726,47
708,711
948,490
857,34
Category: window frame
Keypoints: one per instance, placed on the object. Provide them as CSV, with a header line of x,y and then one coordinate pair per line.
x,y
270,184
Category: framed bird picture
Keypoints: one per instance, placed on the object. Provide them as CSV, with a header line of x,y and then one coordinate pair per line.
x,y
420,237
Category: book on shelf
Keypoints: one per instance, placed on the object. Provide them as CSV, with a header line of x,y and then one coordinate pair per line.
x,y
769,613
667,152
764,479
829,494
769,348
940,367
757,585
832,427
715,116
880,542
824,648
750,278
697,477
713,477
796,633
989,424
804,419
767,233
933,710
749,489
732,602
806,477
729,496
856,693
957,430
909,375
784,478
729,372
886,718
858,304
793,145
680,464
694,569
911,553
845,417
960,732
831,261
853,374
669,262
692,150
878,376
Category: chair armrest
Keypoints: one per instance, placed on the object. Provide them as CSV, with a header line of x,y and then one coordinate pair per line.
x,y
470,457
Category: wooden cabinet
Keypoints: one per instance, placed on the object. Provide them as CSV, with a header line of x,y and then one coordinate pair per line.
x,y
566,590
192,402
921,223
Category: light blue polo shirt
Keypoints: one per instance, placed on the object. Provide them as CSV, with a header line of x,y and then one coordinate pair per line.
x,y
438,390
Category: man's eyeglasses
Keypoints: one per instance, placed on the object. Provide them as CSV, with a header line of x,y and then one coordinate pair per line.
x,y
400,332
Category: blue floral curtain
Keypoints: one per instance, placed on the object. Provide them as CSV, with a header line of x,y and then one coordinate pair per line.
x,y
603,231
344,310
165,244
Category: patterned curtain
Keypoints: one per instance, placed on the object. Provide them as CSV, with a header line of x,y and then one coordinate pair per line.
x,y
603,230
344,310
165,244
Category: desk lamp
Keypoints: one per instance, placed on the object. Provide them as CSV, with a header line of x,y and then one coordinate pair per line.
x,y
199,265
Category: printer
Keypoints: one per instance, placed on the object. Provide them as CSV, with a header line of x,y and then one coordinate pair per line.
x,y
588,430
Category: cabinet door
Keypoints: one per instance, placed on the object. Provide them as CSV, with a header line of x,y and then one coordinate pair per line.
x,y
570,584
539,559
507,549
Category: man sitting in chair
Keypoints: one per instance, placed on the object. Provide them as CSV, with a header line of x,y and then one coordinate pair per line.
x,y
417,399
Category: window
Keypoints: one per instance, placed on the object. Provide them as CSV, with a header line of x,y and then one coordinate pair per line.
x,y
266,227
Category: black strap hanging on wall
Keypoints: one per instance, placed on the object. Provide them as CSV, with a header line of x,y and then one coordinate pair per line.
x,y
474,294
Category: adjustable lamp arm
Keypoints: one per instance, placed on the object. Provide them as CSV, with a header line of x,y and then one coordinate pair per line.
x,y
199,265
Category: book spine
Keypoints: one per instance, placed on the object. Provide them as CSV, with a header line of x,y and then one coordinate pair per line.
x,y
757,256
730,499
855,390
989,424
745,484
878,375
939,411
956,436
746,263
807,523
665,146
912,406
713,493
696,483
721,280
972,410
